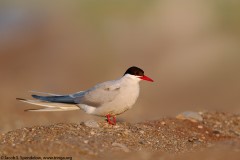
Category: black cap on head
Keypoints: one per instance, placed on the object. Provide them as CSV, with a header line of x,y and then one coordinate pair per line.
x,y
135,71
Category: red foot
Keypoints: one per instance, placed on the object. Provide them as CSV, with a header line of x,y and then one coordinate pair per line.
x,y
109,120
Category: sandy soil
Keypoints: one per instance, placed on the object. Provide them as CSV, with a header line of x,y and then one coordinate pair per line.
x,y
217,136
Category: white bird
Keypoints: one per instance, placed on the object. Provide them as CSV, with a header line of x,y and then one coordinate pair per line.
x,y
107,99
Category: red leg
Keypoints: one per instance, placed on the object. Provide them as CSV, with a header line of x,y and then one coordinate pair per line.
x,y
108,116
111,121
114,119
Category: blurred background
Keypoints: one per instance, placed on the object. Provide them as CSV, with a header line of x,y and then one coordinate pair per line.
x,y
190,48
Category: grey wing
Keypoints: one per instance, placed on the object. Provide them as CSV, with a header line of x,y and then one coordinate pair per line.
x,y
100,94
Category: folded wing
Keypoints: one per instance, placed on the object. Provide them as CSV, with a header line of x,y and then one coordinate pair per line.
x,y
98,95
58,99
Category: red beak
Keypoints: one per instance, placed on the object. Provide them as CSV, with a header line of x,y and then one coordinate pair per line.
x,y
146,78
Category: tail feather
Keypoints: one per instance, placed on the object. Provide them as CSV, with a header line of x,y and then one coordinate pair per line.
x,y
53,109
49,106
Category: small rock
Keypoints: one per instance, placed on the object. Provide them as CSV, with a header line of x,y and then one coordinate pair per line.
x,y
141,142
192,116
163,123
126,132
192,139
201,113
216,132
115,126
142,132
200,126
92,133
85,141
234,132
122,146
91,124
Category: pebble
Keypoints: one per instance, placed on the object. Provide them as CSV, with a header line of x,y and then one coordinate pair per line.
x,y
91,124
141,142
234,132
120,145
92,133
163,123
126,132
85,141
116,126
200,126
192,116
215,132
192,139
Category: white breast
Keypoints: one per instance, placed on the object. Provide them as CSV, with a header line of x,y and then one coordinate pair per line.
x,y
129,92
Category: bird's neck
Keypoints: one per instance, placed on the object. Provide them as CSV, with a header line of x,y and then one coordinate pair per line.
x,y
130,79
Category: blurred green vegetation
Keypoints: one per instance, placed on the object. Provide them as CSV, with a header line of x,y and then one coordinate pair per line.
x,y
228,14
98,9
97,12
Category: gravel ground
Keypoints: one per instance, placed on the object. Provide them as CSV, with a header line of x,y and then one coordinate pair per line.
x,y
218,135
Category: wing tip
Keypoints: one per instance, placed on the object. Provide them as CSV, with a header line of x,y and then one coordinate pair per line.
x,y
34,95
38,97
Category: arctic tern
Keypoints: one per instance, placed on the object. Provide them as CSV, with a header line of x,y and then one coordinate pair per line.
x,y
106,99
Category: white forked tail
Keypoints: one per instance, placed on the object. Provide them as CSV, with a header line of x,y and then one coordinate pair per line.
x,y
49,106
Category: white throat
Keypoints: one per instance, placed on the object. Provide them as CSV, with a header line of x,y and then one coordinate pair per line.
x,y
131,78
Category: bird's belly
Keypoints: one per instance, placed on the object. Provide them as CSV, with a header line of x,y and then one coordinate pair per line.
x,y
121,104
113,110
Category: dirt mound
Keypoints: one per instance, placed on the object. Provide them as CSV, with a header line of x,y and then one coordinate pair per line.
x,y
96,140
